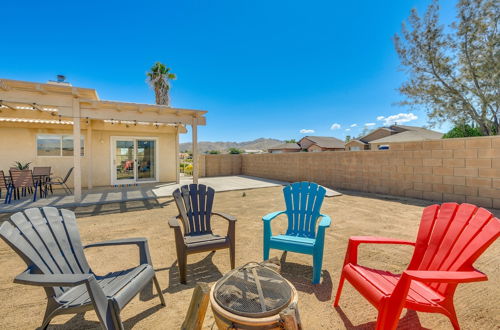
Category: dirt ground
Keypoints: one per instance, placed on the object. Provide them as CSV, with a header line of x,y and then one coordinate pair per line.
x,y
22,307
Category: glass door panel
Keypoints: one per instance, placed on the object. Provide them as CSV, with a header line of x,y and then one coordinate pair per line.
x,y
124,160
146,160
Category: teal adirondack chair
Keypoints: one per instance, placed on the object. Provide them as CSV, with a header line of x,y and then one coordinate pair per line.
x,y
303,203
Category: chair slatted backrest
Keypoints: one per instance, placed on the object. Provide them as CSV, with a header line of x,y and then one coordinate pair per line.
x,y
3,181
194,203
47,240
41,171
451,237
21,178
303,206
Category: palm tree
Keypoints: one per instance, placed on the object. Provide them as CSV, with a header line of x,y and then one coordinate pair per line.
x,y
159,78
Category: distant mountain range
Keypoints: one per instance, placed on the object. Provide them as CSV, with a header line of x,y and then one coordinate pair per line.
x,y
258,144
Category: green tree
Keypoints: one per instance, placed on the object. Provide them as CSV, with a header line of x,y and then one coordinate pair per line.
x,y
347,138
213,152
454,74
290,141
462,131
235,151
159,78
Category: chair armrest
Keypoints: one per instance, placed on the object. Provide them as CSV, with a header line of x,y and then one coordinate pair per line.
x,y
174,223
122,241
226,216
378,240
351,256
325,221
48,280
445,276
271,216
141,242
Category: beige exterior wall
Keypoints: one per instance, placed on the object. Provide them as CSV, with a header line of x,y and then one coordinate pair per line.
x,y
458,170
19,144
349,145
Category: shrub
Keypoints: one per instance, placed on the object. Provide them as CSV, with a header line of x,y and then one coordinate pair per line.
x,y
462,131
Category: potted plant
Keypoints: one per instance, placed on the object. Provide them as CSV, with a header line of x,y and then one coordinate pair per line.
x,y
22,166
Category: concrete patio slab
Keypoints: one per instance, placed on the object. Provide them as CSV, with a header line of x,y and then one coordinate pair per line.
x,y
103,195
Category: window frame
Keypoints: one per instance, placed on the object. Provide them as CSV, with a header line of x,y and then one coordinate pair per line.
x,y
61,149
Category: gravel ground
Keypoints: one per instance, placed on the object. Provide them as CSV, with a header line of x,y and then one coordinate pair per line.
x,y
22,307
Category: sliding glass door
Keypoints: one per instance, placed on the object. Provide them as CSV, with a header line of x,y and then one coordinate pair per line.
x,y
133,160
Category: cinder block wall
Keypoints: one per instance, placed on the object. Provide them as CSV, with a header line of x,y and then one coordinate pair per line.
x,y
459,170
220,165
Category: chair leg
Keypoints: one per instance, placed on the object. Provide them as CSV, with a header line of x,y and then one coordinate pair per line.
x,y
266,249
65,185
232,255
158,289
116,322
388,315
317,265
453,316
34,194
182,261
339,289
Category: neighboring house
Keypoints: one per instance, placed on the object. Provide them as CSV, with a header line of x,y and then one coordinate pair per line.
x,y
321,143
382,137
286,147
120,142
253,151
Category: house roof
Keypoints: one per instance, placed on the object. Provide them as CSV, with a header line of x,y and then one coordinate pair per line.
x,y
420,134
293,146
356,141
325,142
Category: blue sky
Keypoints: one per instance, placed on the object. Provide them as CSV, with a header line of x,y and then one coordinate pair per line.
x,y
261,68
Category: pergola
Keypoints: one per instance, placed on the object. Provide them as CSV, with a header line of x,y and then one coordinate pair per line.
x,y
63,104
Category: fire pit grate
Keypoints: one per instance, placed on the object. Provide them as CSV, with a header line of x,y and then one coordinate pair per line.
x,y
253,291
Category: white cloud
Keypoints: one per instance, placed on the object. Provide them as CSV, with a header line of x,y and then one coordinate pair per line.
x,y
397,119
354,125
347,129
370,124
335,126
306,131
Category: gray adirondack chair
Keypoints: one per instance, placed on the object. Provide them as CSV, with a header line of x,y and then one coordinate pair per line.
x,y
48,241
194,203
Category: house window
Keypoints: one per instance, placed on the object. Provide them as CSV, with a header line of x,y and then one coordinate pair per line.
x,y
56,145
355,149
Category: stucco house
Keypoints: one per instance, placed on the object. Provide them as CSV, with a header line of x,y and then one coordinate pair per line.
x,y
321,143
119,142
285,147
382,137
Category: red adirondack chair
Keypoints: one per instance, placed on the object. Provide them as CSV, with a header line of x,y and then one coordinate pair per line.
x,y
451,237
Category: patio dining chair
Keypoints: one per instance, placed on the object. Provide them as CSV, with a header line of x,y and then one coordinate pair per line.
x,y
450,239
194,203
21,183
303,205
48,241
4,185
42,173
59,181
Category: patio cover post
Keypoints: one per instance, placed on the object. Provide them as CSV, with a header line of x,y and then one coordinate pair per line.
x,y
88,153
177,160
77,172
195,149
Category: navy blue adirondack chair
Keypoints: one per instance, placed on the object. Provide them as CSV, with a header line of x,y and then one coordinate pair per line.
x,y
303,204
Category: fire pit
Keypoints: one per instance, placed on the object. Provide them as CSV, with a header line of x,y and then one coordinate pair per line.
x,y
251,297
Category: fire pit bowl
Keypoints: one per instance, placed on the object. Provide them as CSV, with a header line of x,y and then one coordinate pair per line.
x,y
251,297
